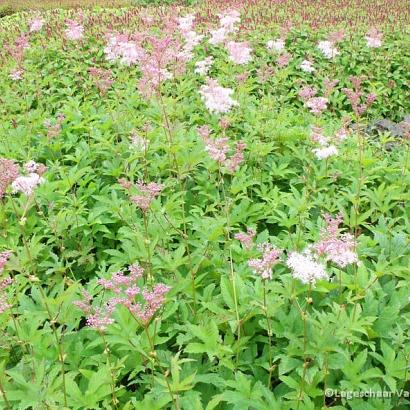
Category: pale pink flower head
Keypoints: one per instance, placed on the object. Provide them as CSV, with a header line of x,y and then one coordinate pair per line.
x,y
317,105
120,48
325,152
186,23
218,36
283,60
74,30
328,49
202,67
276,45
246,239
217,99
138,143
4,304
335,247
307,66
17,74
217,148
306,268
229,19
317,136
26,184
204,131
374,38
270,257
329,86
36,24
9,172
148,192
4,257
306,93
237,158
239,53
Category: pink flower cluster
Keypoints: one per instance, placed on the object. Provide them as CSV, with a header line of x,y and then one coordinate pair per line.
x,y
355,96
328,49
9,171
202,67
306,267
239,53
246,239
270,257
327,145
36,24
120,48
74,30
227,25
148,192
276,45
339,249
17,74
191,37
374,38
307,66
218,149
126,290
102,79
54,127
217,99
4,283
317,105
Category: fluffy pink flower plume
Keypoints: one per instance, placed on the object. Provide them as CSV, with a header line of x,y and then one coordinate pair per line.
x,y
32,166
355,96
307,66
329,85
374,38
306,267
4,283
246,239
26,184
327,145
17,74
74,30
36,24
227,25
18,48
9,171
202,67
239,53
163,54
148,192
328,49
306,93
125,289
263,266
276,45
218,149
217,99
120,48
339,249
283,60
317,105
191,37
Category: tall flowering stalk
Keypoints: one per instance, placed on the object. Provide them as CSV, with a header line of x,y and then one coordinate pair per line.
x,y
125,292
263,267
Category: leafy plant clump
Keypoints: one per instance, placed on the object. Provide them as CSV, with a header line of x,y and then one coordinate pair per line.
x,y
199,208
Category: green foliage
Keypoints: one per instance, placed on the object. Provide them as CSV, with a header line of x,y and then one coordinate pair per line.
x,y
225,339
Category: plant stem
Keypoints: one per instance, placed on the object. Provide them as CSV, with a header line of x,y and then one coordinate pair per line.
x,y
265,308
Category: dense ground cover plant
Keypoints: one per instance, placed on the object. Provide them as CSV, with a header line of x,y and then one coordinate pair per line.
x,y
194,214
